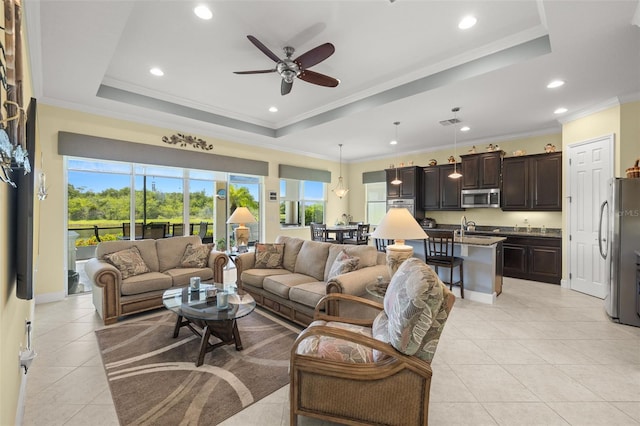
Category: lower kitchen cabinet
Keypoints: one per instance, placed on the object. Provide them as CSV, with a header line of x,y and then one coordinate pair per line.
x,y
531,258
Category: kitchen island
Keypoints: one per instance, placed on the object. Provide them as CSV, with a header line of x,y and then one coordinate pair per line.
x,y
482,265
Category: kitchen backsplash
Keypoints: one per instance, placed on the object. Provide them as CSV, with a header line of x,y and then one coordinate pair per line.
x,y
496,217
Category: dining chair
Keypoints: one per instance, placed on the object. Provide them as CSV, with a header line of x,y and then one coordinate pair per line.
x,y
381,244
352,234
438,250
204,227
177,229
154,231
361,237
126,229
319,232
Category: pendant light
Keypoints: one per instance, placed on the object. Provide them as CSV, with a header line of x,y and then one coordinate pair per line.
x,y
340,190
455,174
396,181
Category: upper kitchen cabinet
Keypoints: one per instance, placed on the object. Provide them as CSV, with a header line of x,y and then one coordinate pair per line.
x,y
410,186
481,171
439,191
532,182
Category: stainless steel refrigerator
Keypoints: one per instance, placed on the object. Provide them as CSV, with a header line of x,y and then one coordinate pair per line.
x,y
619,240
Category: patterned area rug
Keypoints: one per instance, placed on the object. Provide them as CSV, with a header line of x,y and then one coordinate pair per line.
x,y
154,380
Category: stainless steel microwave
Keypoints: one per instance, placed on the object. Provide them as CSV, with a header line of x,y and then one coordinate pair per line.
x,y
481,198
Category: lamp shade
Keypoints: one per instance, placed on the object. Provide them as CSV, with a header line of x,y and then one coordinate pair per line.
x,y
398,224
241,215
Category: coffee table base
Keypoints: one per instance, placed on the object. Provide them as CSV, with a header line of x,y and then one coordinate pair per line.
x,y
226,331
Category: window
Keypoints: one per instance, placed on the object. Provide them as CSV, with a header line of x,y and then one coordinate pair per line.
x,y
103,197
244,191
301,202
376,196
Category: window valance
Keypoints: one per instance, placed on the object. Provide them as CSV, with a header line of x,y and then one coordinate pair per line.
x,y
86,146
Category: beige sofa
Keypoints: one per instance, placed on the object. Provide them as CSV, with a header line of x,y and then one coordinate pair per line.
x,y
293,289
114,297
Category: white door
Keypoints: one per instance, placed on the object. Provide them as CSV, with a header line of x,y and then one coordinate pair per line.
x,y
590,167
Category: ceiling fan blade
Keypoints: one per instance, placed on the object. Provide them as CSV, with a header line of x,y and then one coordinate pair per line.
x,y
264,49
254,72
317,78
315,55
285,87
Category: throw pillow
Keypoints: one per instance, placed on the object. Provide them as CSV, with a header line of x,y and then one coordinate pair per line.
x,y
196,256
343,264
269,256
414,304
129,262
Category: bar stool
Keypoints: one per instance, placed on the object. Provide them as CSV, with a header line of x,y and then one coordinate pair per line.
x,y
438,250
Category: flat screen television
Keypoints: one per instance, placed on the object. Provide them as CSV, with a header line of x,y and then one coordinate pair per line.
x,y
24,199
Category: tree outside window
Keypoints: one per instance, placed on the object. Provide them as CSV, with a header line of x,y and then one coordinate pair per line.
x,y
301,202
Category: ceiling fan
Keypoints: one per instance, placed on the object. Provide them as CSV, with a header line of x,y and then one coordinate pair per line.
x,y
290,68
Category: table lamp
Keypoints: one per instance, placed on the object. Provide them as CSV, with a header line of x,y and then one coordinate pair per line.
x,y
240,216
398,225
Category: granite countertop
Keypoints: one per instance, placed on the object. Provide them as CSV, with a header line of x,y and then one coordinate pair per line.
x,y
505,231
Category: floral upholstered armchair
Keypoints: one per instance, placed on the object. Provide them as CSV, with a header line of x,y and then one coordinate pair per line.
x,y
377,371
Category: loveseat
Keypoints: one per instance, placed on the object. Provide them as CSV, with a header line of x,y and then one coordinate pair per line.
x,y
290,276
128,277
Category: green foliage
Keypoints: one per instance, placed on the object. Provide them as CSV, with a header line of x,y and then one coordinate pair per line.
x,y
314,213
113,205
92,241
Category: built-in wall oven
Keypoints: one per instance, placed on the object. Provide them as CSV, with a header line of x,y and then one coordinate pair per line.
x,y
407,203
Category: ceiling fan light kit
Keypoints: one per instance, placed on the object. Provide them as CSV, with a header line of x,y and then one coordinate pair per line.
x,y
289,69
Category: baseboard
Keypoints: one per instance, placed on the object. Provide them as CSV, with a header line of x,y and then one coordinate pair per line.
x,y
564,283
476,296
49,297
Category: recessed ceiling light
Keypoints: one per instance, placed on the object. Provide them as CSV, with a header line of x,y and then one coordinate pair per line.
x,y
156,71
465,128
393,143
555,83
203,12
560,111
467,22
273,109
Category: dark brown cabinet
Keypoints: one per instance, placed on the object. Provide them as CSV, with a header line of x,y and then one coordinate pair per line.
x,y
409,188
439,191
532,182
531,258
481,170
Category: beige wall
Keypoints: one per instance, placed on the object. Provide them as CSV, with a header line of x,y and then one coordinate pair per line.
x,y
629,136
13,311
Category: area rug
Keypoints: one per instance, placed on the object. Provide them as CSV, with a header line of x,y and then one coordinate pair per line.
x,y
154,380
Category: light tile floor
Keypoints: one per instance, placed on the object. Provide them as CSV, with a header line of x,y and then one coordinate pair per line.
x,y
541,355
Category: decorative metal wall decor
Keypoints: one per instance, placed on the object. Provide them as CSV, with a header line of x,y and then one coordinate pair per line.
x,y
13,153
184,140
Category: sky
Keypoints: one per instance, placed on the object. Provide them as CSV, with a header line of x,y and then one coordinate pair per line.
x,y
106,175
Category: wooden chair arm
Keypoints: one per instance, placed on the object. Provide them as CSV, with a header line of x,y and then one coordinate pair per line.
x,y
337,297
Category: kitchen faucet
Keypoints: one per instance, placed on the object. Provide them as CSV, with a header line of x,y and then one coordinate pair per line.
x,y
463,225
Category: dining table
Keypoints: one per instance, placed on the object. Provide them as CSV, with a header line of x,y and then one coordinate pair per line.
x,y
340,231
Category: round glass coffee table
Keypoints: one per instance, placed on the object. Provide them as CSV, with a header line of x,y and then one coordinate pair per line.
x,y
204,318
